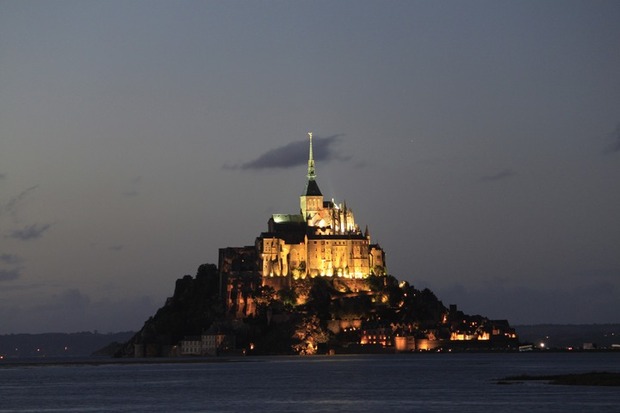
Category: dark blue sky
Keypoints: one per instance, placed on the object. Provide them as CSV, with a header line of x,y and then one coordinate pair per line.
x,y
479,141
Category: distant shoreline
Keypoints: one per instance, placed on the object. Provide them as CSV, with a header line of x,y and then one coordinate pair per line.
x,y
595,378
15,362
97,361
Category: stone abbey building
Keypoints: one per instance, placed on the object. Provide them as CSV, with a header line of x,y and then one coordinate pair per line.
x,y
322,240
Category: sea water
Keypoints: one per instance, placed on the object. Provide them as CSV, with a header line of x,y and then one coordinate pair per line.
x,y
463,382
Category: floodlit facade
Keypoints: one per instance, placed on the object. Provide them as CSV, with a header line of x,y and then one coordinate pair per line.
x,y
322,240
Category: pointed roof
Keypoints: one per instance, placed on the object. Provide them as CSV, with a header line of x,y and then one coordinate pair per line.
x,y
312,189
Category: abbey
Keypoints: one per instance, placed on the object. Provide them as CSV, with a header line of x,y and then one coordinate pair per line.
x,y
322,240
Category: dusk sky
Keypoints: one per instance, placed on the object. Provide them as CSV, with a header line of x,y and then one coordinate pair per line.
x,y
478,140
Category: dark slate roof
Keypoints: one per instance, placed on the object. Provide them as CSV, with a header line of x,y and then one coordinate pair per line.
x,y
291,228
312,189
289,237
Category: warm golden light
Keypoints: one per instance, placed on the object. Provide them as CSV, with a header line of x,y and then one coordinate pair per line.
x,y
322,241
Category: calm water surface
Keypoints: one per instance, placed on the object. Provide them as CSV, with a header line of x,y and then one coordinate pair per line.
x,y
377,383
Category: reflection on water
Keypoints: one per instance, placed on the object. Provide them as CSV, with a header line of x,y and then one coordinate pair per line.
x,y
378,383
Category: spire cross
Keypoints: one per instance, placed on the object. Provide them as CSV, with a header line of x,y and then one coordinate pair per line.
x,y
311,173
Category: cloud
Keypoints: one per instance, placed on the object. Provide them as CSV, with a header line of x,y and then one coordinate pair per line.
x,y
2,176
10,259
12,274
13,204
614,146
506,173
23,287
294,154
29,232
133,187
117,247
361,164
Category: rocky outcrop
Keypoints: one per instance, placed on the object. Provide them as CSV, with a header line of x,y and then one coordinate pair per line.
x,y
194,307
313,315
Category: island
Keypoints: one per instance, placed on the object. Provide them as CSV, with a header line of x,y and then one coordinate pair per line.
x,y
314,282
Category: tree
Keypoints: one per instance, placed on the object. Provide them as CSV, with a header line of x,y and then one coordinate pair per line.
x,y
265,297
288,296
309,334
320,297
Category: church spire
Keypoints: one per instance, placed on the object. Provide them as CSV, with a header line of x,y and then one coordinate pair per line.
x,y
311,173
312,189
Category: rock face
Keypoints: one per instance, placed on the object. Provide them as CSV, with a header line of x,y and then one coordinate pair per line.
x,y
313,315
194,307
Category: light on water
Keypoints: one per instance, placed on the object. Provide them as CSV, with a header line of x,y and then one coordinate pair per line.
x,y
374,383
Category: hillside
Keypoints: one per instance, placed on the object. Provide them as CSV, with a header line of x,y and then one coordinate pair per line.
x,y
314,315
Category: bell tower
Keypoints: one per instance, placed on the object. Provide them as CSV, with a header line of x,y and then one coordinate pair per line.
x,y
311,201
